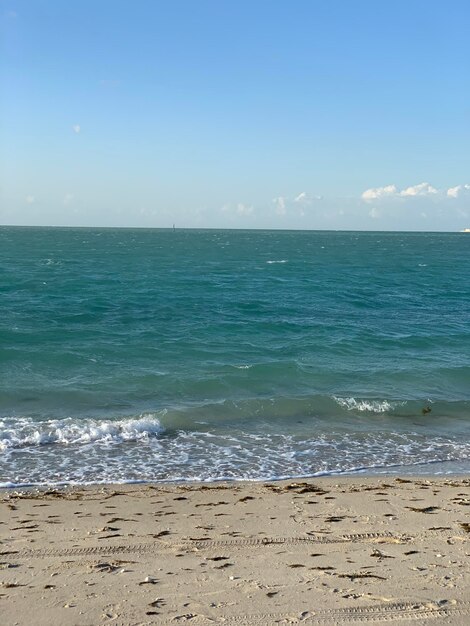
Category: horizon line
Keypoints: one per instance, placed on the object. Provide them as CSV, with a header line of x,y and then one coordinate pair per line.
x,y
174,228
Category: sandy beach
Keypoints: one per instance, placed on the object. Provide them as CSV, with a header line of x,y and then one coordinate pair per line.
x,y
321,551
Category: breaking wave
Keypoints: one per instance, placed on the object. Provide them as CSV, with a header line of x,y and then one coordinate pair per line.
x,y
371,406
22,432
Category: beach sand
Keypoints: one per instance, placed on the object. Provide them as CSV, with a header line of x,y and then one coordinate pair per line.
x,y
319,551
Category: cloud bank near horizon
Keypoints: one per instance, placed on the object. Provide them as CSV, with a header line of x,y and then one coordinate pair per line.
x,y
421,206
416,207
419,190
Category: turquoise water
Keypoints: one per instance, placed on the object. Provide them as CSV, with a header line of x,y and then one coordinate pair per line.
x,y
200,355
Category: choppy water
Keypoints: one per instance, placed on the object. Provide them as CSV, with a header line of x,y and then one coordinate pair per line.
x,y
200,355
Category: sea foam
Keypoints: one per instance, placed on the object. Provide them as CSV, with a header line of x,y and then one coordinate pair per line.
x,y
22,432
370,406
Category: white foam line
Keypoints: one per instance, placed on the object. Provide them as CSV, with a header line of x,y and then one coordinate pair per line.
x,y
22,432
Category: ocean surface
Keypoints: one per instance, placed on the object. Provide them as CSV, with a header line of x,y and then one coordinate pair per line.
x,y
160,355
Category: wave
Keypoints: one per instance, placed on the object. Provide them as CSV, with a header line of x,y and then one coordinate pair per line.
x,y
281,413
284,410
207,456
370,406
24,431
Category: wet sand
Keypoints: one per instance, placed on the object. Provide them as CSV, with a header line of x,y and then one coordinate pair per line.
x,y
321,551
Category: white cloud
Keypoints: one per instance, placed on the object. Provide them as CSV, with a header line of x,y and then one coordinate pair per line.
x,y
76,128
30,199
379,192
415,207
68,198
423,189
280,205
302,197
420,190
455,192
243,209
238,209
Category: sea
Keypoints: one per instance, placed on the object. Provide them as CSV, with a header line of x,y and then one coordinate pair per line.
x,y
131,355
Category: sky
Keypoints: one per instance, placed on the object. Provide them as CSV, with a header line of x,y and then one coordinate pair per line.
x,y
236,113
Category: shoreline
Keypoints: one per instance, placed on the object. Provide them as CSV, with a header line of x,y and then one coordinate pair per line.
x,y
346,478
353,475
328,550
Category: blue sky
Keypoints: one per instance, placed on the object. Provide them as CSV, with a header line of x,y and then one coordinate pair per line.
x,y
243,114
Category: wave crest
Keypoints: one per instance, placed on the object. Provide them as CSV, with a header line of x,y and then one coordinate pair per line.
x,y
371,406
22,432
